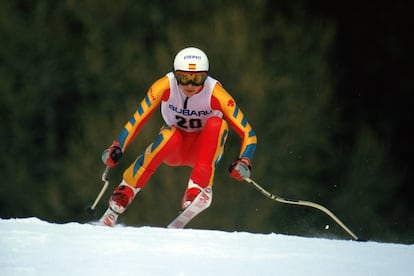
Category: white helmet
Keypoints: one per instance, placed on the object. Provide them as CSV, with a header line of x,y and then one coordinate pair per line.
x,y
191,59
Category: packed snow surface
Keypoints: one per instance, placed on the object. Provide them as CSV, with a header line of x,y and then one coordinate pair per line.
x,y
31,246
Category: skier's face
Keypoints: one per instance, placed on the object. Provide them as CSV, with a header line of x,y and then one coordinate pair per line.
x,y
190,89
190,82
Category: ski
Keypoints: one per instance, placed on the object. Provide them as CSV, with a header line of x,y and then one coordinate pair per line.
x,y
201,202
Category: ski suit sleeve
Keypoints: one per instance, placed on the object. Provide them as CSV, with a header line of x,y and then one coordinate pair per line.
x,y
224,102
156,93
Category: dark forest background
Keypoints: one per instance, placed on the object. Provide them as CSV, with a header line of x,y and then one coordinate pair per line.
x,y
326,85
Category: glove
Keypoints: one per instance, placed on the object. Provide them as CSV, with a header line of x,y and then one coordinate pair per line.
x,y
111,155
240,169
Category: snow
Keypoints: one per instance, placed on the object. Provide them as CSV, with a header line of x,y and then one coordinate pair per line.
x,y
30,246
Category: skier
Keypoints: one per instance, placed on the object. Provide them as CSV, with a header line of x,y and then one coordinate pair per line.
x,y
194,134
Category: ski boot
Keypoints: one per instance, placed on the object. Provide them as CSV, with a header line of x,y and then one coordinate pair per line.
x,y
119,201
190,194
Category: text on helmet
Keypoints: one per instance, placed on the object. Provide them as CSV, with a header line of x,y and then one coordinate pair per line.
x,y
192,57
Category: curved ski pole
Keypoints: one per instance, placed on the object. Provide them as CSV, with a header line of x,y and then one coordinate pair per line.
x,y
302,203
91,209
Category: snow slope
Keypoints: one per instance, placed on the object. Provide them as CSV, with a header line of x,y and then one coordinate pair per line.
x,y
34,247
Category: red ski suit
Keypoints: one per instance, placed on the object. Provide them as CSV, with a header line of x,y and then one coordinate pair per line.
x,y
194,133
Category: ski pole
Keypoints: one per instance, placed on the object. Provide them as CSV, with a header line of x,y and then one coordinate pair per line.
x,y
302,203
91,210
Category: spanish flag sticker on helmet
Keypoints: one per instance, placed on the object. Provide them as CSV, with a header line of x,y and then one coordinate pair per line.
x,y
192,66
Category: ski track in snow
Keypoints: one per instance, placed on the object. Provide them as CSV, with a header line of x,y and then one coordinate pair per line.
x,y
31,246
